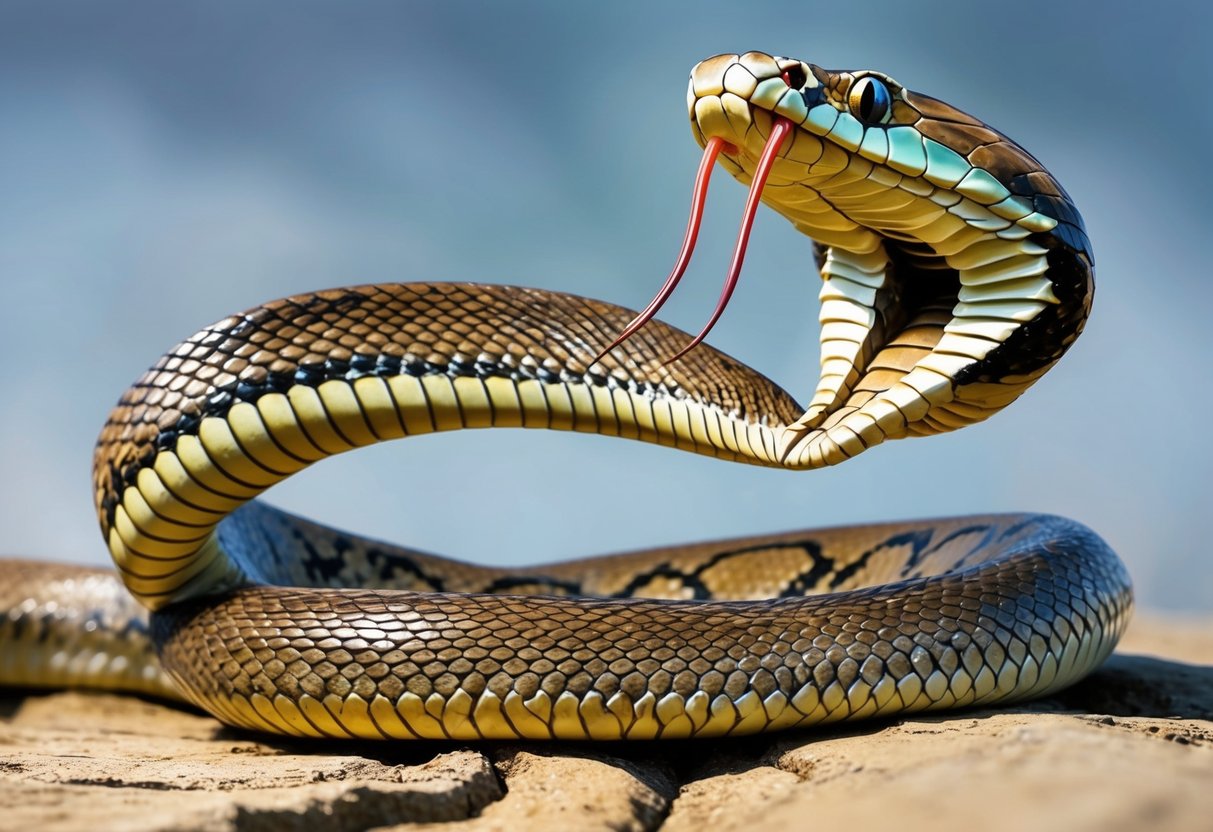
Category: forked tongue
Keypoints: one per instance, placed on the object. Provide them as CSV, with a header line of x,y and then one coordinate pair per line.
x,y
779,132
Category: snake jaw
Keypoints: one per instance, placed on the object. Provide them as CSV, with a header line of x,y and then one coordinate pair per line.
x,y
946,252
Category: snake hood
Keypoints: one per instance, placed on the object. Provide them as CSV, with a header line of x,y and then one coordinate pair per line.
x,y
955,268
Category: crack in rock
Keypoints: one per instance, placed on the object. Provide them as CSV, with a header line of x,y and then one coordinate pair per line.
x,y
1127,749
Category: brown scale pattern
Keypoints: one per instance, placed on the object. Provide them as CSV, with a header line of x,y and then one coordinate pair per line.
x,y
68,626
458,329
294,551
270,641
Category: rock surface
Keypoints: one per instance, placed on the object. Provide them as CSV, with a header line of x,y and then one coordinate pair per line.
x,y
1130,748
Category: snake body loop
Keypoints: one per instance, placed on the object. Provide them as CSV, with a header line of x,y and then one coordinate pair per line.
x,y
955,272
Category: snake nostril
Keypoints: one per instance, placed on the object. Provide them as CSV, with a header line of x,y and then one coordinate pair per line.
x,y
795,77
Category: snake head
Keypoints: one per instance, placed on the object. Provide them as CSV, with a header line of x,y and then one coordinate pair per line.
x,y
955,270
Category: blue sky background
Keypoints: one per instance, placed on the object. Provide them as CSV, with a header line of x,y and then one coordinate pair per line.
x,y
163,165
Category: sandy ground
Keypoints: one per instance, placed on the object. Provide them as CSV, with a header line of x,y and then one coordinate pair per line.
x,y
1130,748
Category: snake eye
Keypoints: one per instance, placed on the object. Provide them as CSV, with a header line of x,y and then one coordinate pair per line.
x,y
869,100
794,77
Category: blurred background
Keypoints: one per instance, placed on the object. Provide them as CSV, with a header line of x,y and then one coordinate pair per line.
x,y
163,165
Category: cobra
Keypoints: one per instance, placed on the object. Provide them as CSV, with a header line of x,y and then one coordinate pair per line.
x,y
954,272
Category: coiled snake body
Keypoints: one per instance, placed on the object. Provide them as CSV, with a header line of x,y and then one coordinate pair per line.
x,y
955,272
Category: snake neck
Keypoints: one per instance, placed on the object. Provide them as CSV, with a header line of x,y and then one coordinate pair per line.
x,y
257,397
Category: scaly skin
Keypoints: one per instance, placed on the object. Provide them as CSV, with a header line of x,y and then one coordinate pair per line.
x,y
955,272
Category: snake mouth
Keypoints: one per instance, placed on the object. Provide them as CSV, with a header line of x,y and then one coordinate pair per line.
x,y
942,291
747,139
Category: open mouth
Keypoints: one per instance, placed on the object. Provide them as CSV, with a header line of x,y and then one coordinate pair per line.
x,y
938,302
881,312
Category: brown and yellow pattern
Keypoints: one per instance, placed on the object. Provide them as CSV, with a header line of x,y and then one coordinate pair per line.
x,y
955,271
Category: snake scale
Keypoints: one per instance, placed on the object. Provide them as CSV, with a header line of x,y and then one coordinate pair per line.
x,y
955,272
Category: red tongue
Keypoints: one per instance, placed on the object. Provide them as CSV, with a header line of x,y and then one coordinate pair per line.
x,y
779,131
698,197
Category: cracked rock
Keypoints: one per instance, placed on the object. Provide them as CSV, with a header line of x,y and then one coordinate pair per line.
x,y
1129,748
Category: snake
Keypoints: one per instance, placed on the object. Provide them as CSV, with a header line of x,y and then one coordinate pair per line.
x,y
954,270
